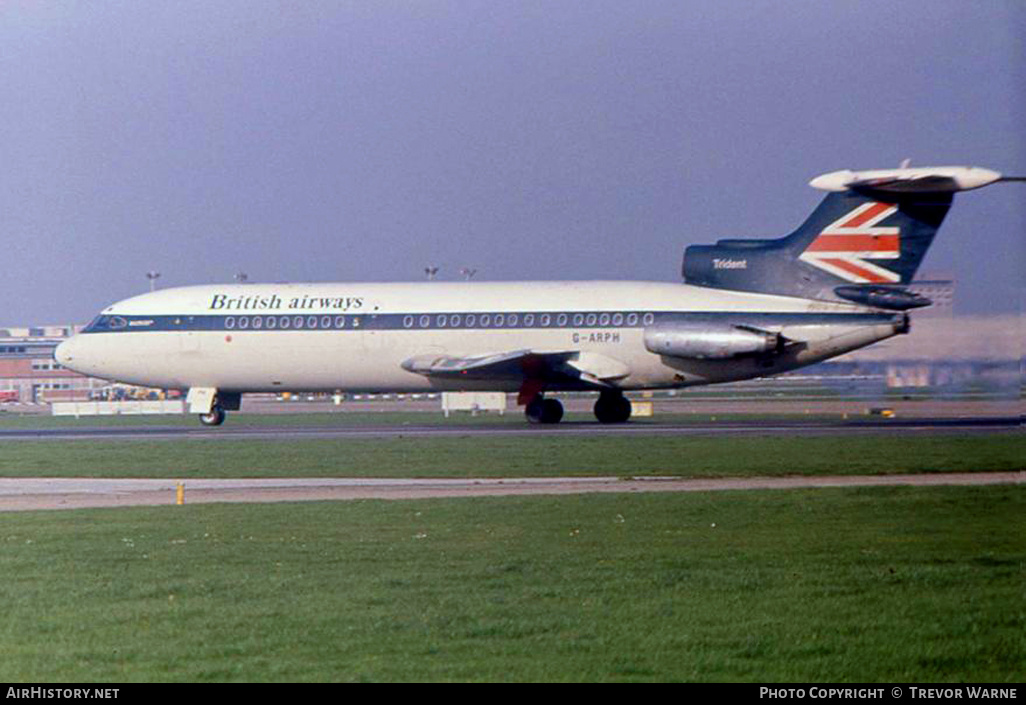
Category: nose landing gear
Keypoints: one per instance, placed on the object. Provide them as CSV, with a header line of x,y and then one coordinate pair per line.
x,y
216,417
212,405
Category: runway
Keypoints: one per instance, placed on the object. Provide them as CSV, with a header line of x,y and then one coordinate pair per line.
x,y
29,494
282,431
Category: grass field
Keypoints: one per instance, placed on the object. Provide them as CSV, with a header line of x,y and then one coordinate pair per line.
x,y
522,455
896,584
385,416
885,585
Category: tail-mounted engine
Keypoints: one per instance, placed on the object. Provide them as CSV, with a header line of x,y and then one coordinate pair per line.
x,y
711,341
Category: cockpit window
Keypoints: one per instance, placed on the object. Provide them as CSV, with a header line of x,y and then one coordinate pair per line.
x,y
104,323
98,323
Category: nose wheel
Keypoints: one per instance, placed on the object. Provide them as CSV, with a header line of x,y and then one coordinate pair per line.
x,y
216,417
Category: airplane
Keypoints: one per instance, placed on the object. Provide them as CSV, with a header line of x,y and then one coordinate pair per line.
x,y
747,308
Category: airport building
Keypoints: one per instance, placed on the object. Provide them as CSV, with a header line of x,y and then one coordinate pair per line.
x,y
963,354
942,352
30,375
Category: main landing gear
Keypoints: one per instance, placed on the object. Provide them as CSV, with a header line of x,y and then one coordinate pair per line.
x,y
611,407
542,410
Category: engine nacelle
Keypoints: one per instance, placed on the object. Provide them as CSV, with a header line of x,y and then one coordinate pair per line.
x,y
709,341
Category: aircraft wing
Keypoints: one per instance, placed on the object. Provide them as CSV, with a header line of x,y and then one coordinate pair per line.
x,y
531,368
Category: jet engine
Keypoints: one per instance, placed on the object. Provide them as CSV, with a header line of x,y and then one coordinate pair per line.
x,y
709,341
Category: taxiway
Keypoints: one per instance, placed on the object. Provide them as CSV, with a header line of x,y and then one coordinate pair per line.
x,y
25,494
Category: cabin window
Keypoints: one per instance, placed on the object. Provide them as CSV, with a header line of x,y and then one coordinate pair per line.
x,y
604,319
592,319
561,320
258,322
425,321
229,322
617,319
311,321
545,319
632,319
500,319
407,321
440,321
649,319
340,321
454,320
512,319
272,322
486,320
529,320
471,320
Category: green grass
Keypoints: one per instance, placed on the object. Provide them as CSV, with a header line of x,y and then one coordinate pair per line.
x,y
385,417
861,585
521,455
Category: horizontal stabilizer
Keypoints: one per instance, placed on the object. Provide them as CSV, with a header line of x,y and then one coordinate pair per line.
x,y
936,179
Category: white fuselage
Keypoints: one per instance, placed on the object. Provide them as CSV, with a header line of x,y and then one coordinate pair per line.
x,y
355,337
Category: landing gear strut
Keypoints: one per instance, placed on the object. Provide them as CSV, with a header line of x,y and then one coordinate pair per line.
x,y
612,407
542,410
212,404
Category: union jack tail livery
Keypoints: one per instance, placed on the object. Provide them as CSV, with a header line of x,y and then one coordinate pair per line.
x,y
863,243
845,247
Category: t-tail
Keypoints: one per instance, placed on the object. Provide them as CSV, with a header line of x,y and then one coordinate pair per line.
x,y
862,244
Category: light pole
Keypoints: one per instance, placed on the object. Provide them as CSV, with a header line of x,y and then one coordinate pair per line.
x,y
153,277
431,272
468,273
242,277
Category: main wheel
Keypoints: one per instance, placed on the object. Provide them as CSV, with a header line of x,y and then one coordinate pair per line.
x,y
612,408
214,418
541,410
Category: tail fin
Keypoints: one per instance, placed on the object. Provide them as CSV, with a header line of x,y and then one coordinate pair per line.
x,y
862,243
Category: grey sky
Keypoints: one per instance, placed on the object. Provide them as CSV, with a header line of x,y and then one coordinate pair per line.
x,y
338,141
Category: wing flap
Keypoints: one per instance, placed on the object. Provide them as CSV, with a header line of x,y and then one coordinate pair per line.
x,y
552,367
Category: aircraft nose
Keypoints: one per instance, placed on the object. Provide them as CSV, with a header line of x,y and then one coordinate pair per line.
x,y
62,353
68,354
